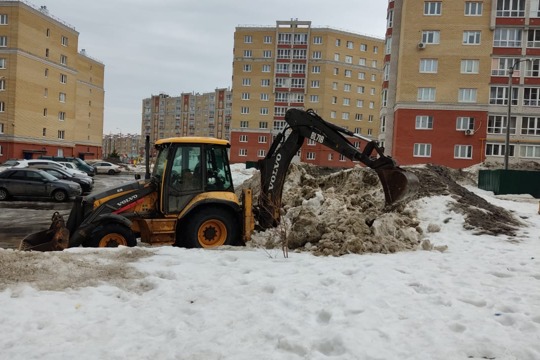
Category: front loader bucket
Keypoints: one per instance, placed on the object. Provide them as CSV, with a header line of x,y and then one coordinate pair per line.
x,y
398,184
56,238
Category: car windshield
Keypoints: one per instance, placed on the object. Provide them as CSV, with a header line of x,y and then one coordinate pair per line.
x,y
10,163
48,176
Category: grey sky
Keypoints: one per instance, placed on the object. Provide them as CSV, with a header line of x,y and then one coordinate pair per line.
x,y
176,46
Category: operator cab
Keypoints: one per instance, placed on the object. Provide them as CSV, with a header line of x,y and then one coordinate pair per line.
x,y
188,166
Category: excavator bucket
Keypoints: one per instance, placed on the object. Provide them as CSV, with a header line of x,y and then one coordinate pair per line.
x,y
398,184
56,238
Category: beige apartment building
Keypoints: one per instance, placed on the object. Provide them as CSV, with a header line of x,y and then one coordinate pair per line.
x,y
190,114
51,95
296,65
448,70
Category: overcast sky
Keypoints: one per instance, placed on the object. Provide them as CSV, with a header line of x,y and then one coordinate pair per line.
x,y
176,46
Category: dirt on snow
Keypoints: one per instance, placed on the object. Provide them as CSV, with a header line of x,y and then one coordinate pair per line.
x,y
336,212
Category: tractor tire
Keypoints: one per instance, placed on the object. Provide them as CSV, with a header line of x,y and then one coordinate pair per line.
x,y
111,235
4,195
209,228
60,196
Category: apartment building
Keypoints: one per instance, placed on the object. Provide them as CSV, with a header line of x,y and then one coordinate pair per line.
x,y
51,95
128,147
296,65
448,70
190,114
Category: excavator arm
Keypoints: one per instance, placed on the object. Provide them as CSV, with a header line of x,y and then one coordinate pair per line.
x,y
397,183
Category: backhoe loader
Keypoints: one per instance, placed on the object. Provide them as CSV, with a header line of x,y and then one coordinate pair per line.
x,y
189,200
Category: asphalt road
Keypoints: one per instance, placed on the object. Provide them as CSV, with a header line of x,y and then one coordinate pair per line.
x,y
18,218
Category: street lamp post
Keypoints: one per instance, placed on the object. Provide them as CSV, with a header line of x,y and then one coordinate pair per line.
x,y
509,113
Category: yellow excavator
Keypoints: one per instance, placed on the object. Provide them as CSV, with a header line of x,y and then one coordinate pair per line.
x,y
189,200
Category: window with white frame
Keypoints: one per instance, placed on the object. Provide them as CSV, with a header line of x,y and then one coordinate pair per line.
x,y
334,85
530,125
500,66
63,78
261,153
531,96
282,82
248,39
244,124
316,55
350,45
498,95
374,63
245,96
390,18
511,8
348,73
246,82
2,63
388,45
263,124
332,114
311,142
262,139
384,98
1,128
284,54
360,89
315,83
242,152
347,87
533,38
3,41
358,117
3,19
244,110
424,122
296,97
2,84
265,82
310,155
61,134
362,61
264,97
370,118
248,53
361,76
345,116
298,68
282,68
471,37
473,8
431,37
279,125
498,150
507,37
467,95
334,99
317,40
371,104
63,59
470,66
316,69
62,97
336,71
282,96
359,103
463,152
429,65
299,53
264,111
267,39
426,94
432,8
363,47
314,98
267,54
298,83
530,151
246,68
266,68
284,38
373,77
243,138
300,38
464,123
338,42
2,106
422,150
497,124
280,110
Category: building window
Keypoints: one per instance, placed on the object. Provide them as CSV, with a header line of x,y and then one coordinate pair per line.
x,y
3,19
431,37
61,134
63,59
317,55
373,77
242,152
360,89
279,125
63,78
262,139
498,95
432,8
332,114
528,151
310,156
244,124
363,47
314,98
511,8
261,153
267,54
248,39
245,96
44,131
470,66
248,53
3,41
264,111
315,83
61,116
497,124
347,87
284,38
362,62
62,97
317,40
500,66
467,95
464,123
345,116
44,111
348,73
424,122
244,110
334,99
359,103
2,63
298,83
280,110
530,125
2,84
473,8
429,65
243,138
358,117
426,94
422,150
348,59
266,68
247,68
334,85
498,150
361,76
316,69
267,39
531,96
264,97
246,82
64,40
1,128
263,125
2,106
463,152
471,37
371,105
350,45
310,142
507,37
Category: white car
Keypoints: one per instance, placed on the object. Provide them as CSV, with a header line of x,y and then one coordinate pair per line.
x,y
30,162
105,167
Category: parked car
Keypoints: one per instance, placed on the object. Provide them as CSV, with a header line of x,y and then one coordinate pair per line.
x,y
31,162
35,183
7,164
86,183
105,167
79,163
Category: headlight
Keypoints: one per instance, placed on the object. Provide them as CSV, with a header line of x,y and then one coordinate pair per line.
x,y
74,186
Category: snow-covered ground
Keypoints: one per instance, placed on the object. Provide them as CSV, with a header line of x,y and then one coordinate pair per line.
x,y
479,299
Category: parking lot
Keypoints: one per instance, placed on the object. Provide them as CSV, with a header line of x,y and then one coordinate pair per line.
x,y
18,218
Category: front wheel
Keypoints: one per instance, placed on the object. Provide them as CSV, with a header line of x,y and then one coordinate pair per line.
x,y
111,235
4,195
208,228
60,196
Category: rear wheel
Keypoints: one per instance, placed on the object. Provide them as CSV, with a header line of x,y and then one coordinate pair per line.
x,y
111,235
111,172
210,227
4,195
60,196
